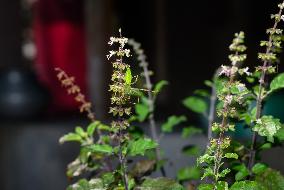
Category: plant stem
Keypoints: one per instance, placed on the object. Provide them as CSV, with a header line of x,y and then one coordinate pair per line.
x,y
122,161
151,118
260,97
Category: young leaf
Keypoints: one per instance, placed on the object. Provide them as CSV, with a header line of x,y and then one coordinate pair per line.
x,y
140,146
171,122
80,132
91,128
101,148
142,111
128,76
231,155
160,85
195,104
222,185
70,137
277,82
189,131
280,134
259,168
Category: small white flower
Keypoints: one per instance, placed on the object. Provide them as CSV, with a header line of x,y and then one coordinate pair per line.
x,y
228,99
282,17
111,53
245,70
225,70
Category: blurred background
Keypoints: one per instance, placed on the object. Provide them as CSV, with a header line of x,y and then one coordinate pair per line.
x,y
185,42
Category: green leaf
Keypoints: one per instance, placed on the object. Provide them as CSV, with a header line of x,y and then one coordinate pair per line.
x,y
205,187
128,76
160,184
195,104
242,172
222,185
191,150
80,132
270,180
245,185
160,85
142,111
259,168
189,131
277,82
280,134
171,122
70,137
224,172
101,148
267,126
91,128
231,155
265,146
139,147
84,184
189,173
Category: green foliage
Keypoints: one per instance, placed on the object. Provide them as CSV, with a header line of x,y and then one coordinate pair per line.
x,y
101,148
159,86
172,122
189,173
259,168
142,111
245,185
159,184
140,146
191,150
195,104
190,131
231,155
205,187
277,83
128,76
83,184
267,126
242,172
270,180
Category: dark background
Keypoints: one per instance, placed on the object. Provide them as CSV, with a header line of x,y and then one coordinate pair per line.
x,y
185,42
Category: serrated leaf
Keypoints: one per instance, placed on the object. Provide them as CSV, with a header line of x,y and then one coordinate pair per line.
x,y
189,131
189,173
70,137
159,184
195,104
225,172
142,111
259,168
140,146
245,185
128,76
101,148
231,155
160,85
277,82
171,122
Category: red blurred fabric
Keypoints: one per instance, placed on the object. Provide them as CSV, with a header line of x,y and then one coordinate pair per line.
x,y
60,40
